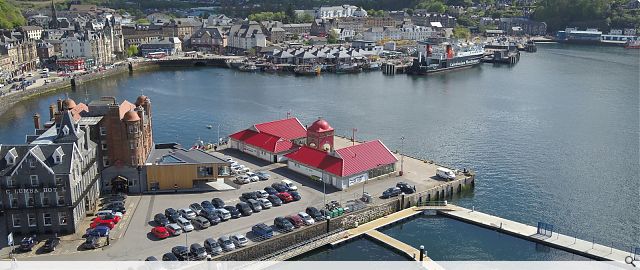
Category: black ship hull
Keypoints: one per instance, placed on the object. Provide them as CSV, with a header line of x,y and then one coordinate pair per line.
x,y
431,66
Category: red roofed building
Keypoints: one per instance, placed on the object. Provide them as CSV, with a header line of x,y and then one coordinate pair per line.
x,y
261,145
289,129
344,167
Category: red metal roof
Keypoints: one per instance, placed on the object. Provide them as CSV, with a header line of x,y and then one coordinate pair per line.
x,y
317,159
365,156
289,128
351,160
263,141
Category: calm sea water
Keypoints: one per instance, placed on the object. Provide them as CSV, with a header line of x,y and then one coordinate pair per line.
x,y
554,138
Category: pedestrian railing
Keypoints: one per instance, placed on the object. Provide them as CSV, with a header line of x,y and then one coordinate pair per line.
x,y
431,203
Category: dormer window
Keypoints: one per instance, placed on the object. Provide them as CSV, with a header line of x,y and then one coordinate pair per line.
x,y
11,156
57,155
65,130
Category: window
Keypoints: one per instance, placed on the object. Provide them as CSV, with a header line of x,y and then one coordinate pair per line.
x,y
15,218
34,180
204,171
13,200
31,220
11,182
104,146
58,181
31,199
46,218
105,161
44,199
132,145
60,198
58,159
62,218
32,163
103,131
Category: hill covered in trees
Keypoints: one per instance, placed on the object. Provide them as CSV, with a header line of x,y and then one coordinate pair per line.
x,y
603,14
10,16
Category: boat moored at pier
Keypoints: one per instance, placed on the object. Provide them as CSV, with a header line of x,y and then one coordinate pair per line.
x,y
445,57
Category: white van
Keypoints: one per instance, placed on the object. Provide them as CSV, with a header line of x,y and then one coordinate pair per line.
x,y
445,173
289,184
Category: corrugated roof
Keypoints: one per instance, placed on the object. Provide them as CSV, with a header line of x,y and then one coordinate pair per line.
x,y
289,128
268,142
365,156
317,159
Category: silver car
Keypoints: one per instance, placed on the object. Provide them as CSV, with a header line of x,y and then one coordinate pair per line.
x,y
239,240
224,214
185,224
187,213
266,204
226,243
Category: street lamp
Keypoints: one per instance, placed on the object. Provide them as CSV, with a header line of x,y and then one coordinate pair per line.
x,y
324,189
401,156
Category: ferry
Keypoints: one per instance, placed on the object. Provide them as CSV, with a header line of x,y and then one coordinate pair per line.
x,y
632,44
445,57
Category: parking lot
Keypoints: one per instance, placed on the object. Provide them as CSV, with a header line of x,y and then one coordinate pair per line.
x,y
137,243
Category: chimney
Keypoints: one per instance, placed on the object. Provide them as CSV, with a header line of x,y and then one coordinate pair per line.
x,y
59,102
36,121
52,111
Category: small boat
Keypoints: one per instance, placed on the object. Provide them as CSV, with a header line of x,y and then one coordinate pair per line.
x,y
307,70
271,69
348,68
632,44
209,126
248,68
371,66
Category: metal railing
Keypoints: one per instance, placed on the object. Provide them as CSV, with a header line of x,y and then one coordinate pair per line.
x,y
432,203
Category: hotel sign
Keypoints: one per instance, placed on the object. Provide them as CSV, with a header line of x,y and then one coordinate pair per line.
x,y
33,190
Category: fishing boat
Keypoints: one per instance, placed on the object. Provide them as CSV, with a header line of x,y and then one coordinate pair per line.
x,y
248,68
445,57
632,44
307,70
348,68
371,66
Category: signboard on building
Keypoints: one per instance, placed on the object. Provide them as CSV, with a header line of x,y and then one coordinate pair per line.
x,y
34,190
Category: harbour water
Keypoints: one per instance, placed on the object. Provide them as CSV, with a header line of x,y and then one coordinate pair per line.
x,y
553,138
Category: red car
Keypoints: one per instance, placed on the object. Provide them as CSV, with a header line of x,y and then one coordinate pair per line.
x,y
285,197
160,232
295,220
113,218
97,222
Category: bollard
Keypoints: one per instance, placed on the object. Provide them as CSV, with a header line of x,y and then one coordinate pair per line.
x,y
328,223
402,201
421,252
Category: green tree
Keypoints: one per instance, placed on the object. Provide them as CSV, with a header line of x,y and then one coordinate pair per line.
x,y
332,38
290,14
461,32
305,18
10,15
132,50
142,21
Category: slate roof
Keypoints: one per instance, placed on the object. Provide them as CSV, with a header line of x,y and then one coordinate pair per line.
x,y
43,153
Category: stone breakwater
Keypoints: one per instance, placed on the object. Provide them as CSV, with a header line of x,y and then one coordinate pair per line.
x,y
7,101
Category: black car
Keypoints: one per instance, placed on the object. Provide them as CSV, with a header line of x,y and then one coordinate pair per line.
x,y
244,208
116,208
271,191
233,211
27,243
404,187
169,257
151,259
91,242
275,201
51,244
181,252
217,203
210,215
314,213
295,195
172,214
207,205
391,192
283,224
161,220
197,252
249,195
280,187
212,246
255,205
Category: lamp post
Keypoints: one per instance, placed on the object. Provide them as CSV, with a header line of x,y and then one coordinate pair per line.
x,y
401,156
324,189
139,168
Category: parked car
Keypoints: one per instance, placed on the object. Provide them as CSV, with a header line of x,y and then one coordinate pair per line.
x,y
391,192
169,257
217,203
226,243
295,195
239,240
181,252
223,213
252,177
100,231
174,229
261,194
195,207
171,214
201,222
97,222
233,211
118,197
445,173
271,190
187,213
263,176
115,204
306,218
244,208
255,205
51,244
404,187
212,246
266,204
262,230
151,259
285,197
283,224
160,232
116,208
109,214
91,242
161,219
275,201
314,213
248,195
242,179
289,184
279,187
109,218
211,215
207,205
295,220
28,243
198,252
185,224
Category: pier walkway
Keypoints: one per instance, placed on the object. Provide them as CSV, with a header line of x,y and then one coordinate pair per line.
x,y
527,232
